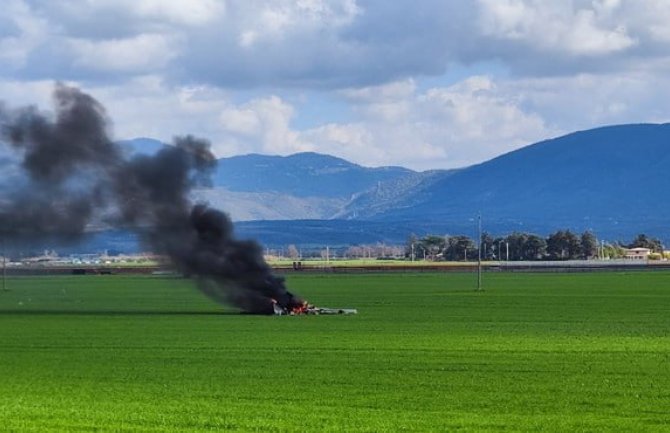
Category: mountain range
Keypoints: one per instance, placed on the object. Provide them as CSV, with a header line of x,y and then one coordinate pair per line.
x,y
301,186
612,181
609,180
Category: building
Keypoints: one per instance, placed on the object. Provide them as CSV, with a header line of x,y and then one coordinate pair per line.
x,y
638,253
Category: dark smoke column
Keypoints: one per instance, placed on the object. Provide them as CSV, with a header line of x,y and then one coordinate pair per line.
x,y
220,261
70,173
55,170
153,194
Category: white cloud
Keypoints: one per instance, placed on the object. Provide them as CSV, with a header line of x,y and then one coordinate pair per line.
x,y
151,13
442,127
263,125
557,26
139,54
280,18
648,19
390,92
588,100
242,120
29,31
147,107
192,12
353,141
586,37
479,121
237,71
20,93
395,124
481,117
325,43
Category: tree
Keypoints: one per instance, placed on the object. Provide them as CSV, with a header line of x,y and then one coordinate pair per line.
x,y
535,248
643,241
488,246
432,246
563,245
614,251
521,246
588,245
517,242
459,248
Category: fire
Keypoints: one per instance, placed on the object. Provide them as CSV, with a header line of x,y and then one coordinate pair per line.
x,y
300,309
305,308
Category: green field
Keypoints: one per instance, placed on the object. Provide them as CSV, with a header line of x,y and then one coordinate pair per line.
x,y
553,352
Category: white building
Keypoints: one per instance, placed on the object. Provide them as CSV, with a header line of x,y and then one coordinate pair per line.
x,y
638,253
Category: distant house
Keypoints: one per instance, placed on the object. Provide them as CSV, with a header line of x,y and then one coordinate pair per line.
x,y
638,253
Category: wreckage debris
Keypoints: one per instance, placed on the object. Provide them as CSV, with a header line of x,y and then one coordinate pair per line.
x,y
308,309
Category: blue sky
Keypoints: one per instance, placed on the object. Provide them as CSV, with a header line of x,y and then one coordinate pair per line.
x,y
425,84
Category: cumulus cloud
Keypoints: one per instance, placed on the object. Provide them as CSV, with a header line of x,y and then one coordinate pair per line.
x,y
238,71
148,107
557,26
119,19
443,127
262,125
305,43
22,33
452,126
537,38
397,123
588,100
140,54
324,43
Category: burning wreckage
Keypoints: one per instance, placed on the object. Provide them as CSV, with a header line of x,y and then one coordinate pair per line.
x,y
305,308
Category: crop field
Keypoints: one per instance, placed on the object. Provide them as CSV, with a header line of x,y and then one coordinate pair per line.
x,y
533,352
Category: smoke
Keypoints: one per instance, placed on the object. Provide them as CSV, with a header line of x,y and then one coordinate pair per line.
x,y
64,173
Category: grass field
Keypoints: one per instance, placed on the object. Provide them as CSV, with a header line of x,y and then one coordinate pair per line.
x,y
534,352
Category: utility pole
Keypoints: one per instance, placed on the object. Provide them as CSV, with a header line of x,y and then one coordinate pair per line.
x,y
4,265
479,253
507,248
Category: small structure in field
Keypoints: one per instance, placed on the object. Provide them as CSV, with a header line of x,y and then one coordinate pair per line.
x,y
638,253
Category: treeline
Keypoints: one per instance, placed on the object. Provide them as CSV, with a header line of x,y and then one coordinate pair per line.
x,y
561,245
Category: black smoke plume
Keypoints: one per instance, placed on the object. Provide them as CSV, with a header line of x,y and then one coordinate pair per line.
x,y
63,173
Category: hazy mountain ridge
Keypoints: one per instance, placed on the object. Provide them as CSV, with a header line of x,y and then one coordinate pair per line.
x,y
300,186
305,174
250,206
387,195
611,180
